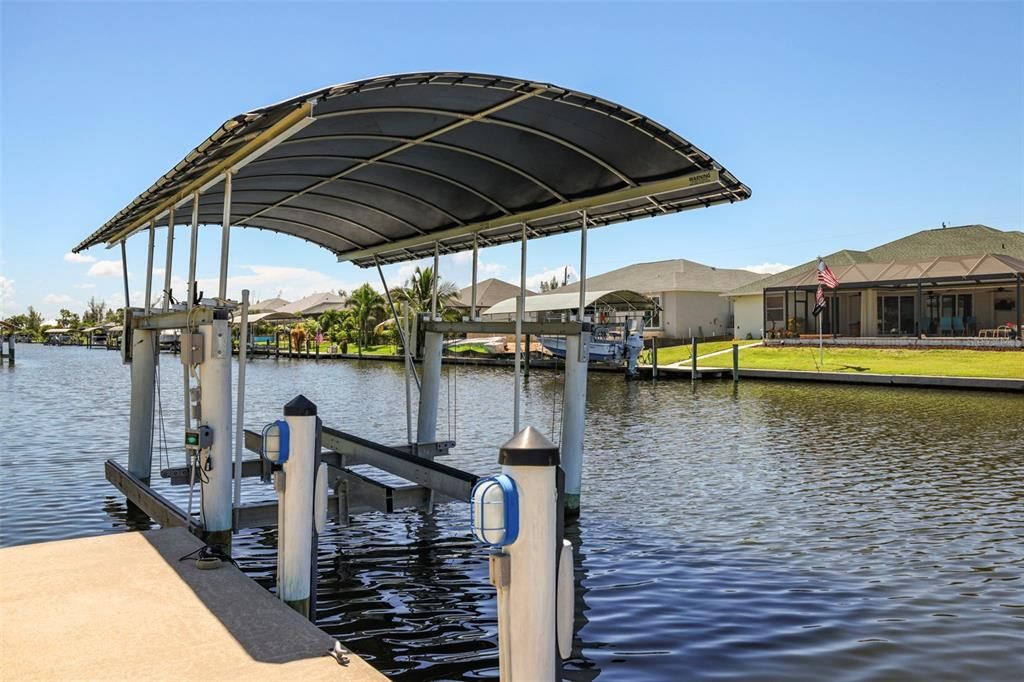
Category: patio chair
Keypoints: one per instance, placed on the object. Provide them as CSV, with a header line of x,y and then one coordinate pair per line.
x,y
958,326
945,325
972,324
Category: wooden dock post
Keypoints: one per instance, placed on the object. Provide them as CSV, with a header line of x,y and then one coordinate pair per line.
x,y
527,599
296,521
654,357
277,344
574,413
426,420
145,346
526,359
289,335
693,359
215,371
10,350
735,362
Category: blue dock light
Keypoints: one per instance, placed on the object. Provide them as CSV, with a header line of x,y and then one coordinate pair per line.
x,y
275,442
495,503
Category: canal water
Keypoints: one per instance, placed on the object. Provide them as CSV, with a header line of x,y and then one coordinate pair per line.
x,y
769,531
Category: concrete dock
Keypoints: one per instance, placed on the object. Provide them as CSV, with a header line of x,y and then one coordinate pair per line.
x,y
124,607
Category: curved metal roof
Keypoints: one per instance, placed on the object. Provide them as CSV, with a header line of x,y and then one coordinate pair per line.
x,y
387,166
622,299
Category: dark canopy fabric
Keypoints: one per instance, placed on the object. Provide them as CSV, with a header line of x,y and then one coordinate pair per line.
x,y
383,168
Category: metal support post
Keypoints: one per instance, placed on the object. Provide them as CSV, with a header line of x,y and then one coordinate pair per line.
x,y
574,418
225,238
145,346
169,262
436,277
426,423
193,248
1020,313
583,264
529,610
297,485
476,263
520,312
243,347
215,375
148,303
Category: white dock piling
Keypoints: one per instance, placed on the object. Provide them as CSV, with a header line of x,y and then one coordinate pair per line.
x,y
531,460
140,415
426,422
295,506
574,416
215,380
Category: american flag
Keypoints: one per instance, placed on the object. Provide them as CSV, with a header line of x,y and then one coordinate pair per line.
x,y
825,275
819,302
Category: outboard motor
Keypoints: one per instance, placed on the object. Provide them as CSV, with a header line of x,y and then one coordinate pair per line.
x,y
634,344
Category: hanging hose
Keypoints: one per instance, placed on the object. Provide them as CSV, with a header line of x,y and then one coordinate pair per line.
x,y
455,368
165,460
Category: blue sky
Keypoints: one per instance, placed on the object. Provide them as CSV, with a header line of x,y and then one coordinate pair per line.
x,y
853,123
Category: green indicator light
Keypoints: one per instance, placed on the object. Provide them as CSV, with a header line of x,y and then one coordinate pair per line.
x,y
192,439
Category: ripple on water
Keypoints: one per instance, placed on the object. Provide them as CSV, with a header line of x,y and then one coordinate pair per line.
x,y
770,532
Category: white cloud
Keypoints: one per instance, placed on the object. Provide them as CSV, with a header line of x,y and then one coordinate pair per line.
x,y
79,258
85,285
266,281
105,268
767,268
491,269
58,299
6,295
533,281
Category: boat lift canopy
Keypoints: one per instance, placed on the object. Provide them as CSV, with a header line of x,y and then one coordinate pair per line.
x,y
379,170
621,300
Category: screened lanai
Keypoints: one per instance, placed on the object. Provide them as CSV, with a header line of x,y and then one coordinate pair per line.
x,y
953,296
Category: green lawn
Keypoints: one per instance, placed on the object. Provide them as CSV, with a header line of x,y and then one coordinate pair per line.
x,y
670,354
936,362
353,349
470,349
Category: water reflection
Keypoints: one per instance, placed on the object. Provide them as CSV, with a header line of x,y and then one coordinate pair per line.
x,y
759,531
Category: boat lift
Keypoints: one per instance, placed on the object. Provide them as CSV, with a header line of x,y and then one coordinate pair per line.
x,y
383,171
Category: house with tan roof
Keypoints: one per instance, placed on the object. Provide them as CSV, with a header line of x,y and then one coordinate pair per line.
x,y
952,281
688,294
314,304
489,292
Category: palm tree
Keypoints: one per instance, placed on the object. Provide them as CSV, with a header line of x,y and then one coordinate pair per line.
x,y
418,292
367,308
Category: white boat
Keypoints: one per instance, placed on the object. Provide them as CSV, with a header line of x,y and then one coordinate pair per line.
x,y
600,351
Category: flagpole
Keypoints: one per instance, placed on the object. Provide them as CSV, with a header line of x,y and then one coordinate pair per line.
x,y
821,348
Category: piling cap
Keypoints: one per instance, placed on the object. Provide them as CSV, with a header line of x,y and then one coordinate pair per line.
x,y
299,406
529,447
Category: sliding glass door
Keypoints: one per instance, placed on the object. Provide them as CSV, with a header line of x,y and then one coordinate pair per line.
x,y
895,315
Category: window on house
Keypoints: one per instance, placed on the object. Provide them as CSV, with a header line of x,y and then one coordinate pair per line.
x,y
773,307
654,320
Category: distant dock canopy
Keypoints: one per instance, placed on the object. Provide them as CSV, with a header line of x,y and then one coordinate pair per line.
x,y
378,170
545,306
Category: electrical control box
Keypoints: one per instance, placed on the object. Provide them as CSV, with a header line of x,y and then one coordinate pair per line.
x,y
191,348
198,439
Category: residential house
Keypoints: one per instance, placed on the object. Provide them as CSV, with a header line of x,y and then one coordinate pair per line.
x,y
689,294
950,281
